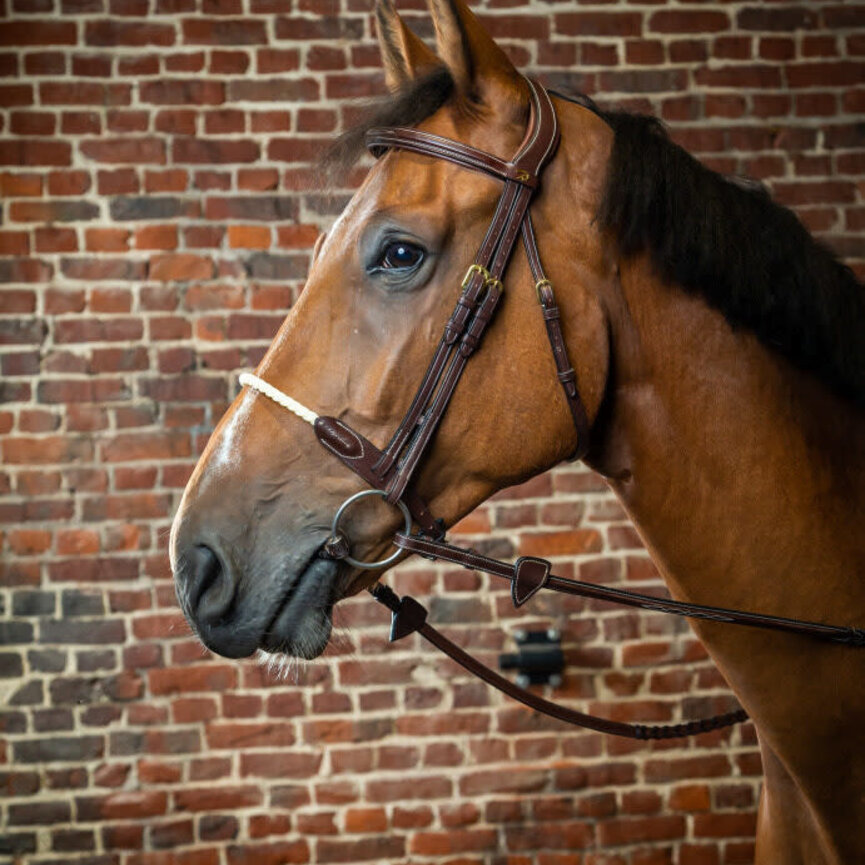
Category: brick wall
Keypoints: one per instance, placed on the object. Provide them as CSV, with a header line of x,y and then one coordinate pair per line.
x,y
159,210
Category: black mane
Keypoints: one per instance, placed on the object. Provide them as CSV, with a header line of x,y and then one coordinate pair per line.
x,y
721,238
407,107
750,258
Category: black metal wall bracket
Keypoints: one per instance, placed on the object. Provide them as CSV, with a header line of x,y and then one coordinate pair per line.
x,y
538,660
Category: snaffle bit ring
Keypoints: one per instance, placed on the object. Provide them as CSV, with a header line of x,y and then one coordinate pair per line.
x,y
334,529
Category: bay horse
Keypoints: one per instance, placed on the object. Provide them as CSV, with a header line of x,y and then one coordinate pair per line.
x,y
718,356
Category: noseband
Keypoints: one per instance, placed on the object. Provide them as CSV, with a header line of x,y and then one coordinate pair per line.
x,y
389,472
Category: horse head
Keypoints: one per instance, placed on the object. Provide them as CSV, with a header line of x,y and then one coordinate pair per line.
x,y
246,542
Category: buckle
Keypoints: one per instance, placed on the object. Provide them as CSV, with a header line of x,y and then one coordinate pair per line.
x,y
470,273
541,283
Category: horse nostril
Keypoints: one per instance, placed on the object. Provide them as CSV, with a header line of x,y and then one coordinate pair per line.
x,y
212,588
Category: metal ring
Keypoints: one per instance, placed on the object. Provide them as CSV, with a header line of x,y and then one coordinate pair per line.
x,y
371,566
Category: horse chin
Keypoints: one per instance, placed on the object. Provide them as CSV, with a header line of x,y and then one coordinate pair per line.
x,y
302,622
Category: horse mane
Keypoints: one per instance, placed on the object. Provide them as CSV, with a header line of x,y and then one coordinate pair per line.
x,y
748,257
408,106
722,238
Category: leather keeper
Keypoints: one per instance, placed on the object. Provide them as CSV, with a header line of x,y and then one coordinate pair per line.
x,y
457,321
530,576
407,618
338,438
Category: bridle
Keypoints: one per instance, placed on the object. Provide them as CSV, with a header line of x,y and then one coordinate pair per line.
x,y
389,472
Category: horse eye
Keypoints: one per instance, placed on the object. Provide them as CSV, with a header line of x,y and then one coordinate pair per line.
x,y
401,256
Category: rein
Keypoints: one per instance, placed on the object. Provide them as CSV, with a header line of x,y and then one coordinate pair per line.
x,y
389,472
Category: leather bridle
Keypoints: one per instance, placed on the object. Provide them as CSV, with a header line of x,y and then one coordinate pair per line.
x,y
389,472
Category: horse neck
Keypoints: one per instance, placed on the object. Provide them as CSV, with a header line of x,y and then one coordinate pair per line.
x,y
746,480
720,450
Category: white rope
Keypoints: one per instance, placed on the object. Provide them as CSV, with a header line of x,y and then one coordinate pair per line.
x,y
247,379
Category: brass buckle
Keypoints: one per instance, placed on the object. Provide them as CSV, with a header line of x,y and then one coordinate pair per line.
x,y
475,268
539,285
492,283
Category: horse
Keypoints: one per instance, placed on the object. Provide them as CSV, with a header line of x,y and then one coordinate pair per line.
x,y
717,356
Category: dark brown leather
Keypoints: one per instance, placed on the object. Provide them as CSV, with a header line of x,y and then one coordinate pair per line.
x,y
361,456
379,140
530,576
477,303
431,549
410,616
552,321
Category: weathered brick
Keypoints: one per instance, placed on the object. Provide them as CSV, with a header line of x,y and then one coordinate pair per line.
x,y
58,748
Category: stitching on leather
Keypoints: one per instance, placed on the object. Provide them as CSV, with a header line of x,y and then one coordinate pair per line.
x,y
355,436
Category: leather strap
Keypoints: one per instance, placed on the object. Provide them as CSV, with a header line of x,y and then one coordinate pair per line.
x,y
552,321
482,289
439,550
410,616
361,455
379,140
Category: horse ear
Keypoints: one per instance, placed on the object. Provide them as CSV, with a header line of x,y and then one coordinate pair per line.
x,y
403,55
481,70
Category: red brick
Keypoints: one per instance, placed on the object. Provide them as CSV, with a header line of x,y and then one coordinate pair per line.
x,y
185,62
27,151
127,121
31,122
109,33
270,60
214,31
641,829
571,542
250,735
249,237
229,62
14,243
156,237
207,677
217,798
688,21
28,542
45,450
134,151
56,240
585,24
123,805
725,825
182,92
361,821
74,542
84,93
43,32
276,853
106,239
280,765
20,185
176,122
117,181
175,180
213,151
180,267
